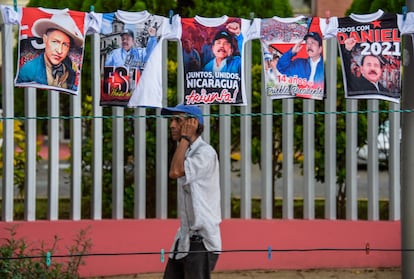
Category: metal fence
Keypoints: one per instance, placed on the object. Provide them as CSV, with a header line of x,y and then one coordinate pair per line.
x,y
245,180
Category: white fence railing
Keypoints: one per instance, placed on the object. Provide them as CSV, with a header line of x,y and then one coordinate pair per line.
x,y
245,181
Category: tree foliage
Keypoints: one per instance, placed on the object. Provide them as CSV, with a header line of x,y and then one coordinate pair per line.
x,y
364,6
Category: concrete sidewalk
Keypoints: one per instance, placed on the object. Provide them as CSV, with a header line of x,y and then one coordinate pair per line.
x,y
383,273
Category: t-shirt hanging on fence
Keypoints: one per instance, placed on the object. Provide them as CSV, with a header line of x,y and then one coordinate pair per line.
x,y
51,44
292,55
130,43
370,47
212,51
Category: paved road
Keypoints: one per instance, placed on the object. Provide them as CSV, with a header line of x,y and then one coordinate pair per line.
x,y
42,179
299,182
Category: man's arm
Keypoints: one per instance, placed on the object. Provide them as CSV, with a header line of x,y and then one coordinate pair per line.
x,y
109,61
349,45
234,28
152,42
285,62
284,65
177,162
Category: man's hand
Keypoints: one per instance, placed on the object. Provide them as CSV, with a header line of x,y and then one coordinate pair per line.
x,y
152,31
297,47
189,128
234,27
349,43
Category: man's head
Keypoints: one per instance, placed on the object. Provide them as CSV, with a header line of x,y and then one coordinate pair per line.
x,y
222,45
313,45
187,45
371,68
179,114
59,34
127,38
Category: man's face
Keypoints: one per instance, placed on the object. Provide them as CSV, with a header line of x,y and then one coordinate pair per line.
x,y
222,48
57,45
176,122
371,69
313,48
127,42
187,45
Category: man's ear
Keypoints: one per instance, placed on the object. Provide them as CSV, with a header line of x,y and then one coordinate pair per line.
x,y
200,129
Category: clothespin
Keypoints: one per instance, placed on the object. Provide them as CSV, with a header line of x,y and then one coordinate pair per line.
x,y
48,254
15,5
162,258
404,11
92,8
269,252
328,15
171,13
367,248
251,17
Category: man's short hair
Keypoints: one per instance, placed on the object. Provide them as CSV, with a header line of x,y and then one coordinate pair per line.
x,y
382,63
224,35
128,32
314,36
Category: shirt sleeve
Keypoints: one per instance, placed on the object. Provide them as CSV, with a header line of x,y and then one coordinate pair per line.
x,y
10,15
93,23
329,27
406,25
199,164
254,30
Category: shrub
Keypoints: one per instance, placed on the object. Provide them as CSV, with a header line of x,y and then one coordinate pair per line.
x,y
22,260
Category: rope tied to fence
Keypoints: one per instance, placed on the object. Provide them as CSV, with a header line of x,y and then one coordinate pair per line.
x,y
259,114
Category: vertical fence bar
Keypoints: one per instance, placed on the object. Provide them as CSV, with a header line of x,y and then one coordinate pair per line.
x,y
351,160
8,123
140,162
96,131
118,163
224,157
266,134
207,123
30,169
180,89
162,148
309,159
288,168
407,158
394,165
246,141
76,156
373,206
53,149
330,130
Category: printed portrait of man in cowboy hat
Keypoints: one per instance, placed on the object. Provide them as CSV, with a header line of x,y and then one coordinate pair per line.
x,y
54,67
